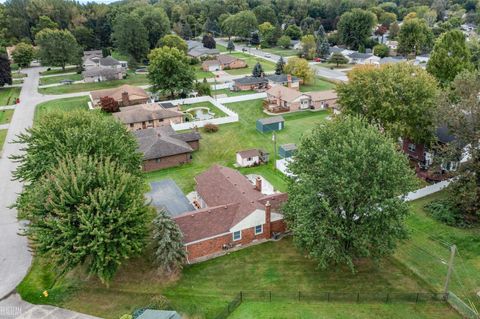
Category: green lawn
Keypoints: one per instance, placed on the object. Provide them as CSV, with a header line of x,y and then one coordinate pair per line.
x,y
132,79
200,74
251,61
67,104
9,95
427,252
17,81
334,65
3,136
221,48
58,79
213,108
16,75
337,310
232,93
281,51
203,289
6,116
59,71
317,85
220,147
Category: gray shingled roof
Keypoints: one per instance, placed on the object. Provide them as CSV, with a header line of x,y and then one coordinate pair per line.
x,y
271,120
108,61
144,112
162,142
280,78
97,71
358,55
250,80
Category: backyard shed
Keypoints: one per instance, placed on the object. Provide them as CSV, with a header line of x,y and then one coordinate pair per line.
x,y
269,124
287,150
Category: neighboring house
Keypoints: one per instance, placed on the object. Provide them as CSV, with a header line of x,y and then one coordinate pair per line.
x,y
265,82
392,47
97,74
362,58
269,124
162,147
197,50
223,62
252,157
423,157
232,212
421,60
250,83
285,99
125,95
143,116
159,314
287,150
387,60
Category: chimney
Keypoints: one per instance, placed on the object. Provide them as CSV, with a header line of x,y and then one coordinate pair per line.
x,y
258,184
125,99
268,220
289,80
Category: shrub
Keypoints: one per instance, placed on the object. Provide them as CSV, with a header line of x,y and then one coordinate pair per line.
x,y
445,212
210,128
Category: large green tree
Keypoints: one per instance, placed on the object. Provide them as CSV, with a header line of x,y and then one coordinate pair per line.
x,y
449,57
170,254
355,27
58,134
300,68
309,46
173,41
130,36
170,71
241,24
5,71
57,48
400,97
414,37
23,54
460,111
87,211
155,21
343,202
323,47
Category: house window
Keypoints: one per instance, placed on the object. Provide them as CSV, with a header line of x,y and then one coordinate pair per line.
x,y
157,160
258,229
412,147
249,159
131,124
237,235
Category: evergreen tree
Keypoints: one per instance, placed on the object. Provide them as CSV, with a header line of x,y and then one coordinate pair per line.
x,y
323,47
257,70
5,71
338,58
209,42
280,65
167,240
230,46
255,40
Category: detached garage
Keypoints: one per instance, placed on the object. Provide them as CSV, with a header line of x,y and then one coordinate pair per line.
x,y
287,150
269,124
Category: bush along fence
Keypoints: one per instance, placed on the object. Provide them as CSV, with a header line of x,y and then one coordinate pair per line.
x,y
309,297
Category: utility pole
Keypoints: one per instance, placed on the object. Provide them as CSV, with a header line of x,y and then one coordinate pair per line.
x,y
453,249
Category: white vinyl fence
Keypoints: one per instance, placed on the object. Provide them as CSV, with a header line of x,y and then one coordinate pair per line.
x,y
230,118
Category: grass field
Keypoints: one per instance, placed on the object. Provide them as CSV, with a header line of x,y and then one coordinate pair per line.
x,y
232,93
132,79
334,65
200,74
204,289
17,75
9,95
262,310
59,71
63,105
58,79
3,136
220,147
251,61
6,116
427,252
281,51
317,85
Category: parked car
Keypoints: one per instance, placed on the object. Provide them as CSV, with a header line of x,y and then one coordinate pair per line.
x,y
268,55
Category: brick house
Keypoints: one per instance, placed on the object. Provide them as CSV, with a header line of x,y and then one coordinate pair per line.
x,y
263,83
143,116
162,147
125,95
285,99
223,62
232,212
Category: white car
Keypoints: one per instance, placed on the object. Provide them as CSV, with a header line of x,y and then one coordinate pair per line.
x,y
268,55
